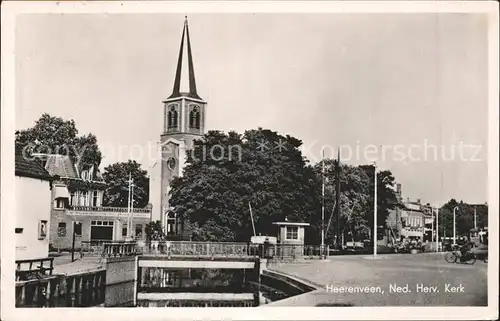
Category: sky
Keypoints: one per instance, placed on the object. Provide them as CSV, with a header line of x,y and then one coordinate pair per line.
x,y
408,91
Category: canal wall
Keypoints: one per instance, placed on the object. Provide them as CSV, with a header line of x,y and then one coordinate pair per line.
x,y
121,281
287,284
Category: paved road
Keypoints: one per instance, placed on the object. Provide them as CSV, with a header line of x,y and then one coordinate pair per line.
x,y
429,270
63,264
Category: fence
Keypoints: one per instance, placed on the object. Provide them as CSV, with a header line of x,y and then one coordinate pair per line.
x,y
201,249
34,268
78,290
208,249
296,252
105,248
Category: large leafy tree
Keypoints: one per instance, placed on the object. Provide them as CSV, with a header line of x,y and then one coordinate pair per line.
x,y
227,172
464,217
354,198
54,135
116,177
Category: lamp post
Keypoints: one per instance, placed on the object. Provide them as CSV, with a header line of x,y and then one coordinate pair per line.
x,y
437,229
454,225
73,242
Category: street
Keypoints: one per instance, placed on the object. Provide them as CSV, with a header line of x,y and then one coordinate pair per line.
x,y
397,280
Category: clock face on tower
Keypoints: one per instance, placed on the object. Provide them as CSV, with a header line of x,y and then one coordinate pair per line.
x,y
171,163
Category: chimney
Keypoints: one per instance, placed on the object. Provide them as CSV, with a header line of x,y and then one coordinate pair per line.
x,y
398,191
418,200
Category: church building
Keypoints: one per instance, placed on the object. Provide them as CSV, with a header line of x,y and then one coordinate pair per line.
x,y
183,122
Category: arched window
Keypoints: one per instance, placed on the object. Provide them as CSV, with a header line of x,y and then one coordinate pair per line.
x,y
195,118
173,119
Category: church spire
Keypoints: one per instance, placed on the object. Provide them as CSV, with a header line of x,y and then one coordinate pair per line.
x,y
178,74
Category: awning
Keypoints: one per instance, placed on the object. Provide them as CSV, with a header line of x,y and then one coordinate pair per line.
x,y
61,192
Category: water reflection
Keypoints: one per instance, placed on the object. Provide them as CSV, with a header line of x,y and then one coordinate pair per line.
x,y
162,287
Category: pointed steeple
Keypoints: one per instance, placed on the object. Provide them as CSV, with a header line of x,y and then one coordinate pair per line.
x,y
191,90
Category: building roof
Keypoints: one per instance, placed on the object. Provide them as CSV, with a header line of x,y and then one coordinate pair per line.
x,y
64,167
291,223
61,165
191,92
26,166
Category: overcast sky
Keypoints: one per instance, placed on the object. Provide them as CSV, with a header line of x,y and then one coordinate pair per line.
x,y
404,81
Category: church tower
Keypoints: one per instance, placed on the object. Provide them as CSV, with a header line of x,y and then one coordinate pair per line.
x,y
183,122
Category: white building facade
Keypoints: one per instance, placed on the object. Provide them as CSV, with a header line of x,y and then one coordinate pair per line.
x,y
33,189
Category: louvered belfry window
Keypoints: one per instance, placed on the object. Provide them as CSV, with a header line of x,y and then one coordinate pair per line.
x,y
195,118
173,117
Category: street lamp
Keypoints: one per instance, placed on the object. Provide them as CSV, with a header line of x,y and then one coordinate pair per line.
x,y
437,229
75,223
454,224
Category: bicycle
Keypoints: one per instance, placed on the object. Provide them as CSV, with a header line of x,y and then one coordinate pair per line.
x,y
456,257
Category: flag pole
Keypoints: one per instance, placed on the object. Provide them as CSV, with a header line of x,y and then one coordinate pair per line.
x,y
323,202
129,202
251,217
337,241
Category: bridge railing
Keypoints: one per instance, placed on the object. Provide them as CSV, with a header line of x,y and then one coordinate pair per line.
x,y
209,249
293,252
76,290
34,268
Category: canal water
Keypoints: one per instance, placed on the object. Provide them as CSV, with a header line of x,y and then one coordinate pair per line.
x,y
161,287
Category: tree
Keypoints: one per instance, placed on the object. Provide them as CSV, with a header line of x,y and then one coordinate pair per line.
x,y
54,135
464,217
353,198
226,172
154,231
116,177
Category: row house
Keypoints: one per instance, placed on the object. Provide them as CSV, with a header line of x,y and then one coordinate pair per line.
x,y
77,207
411,219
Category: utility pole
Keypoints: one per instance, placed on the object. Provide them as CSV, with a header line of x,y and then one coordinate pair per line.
x,y
337,194
375,212
454,225
323,203
131,233
251,217
432,225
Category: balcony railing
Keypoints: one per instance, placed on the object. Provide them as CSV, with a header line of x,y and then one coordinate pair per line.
x,y
106,209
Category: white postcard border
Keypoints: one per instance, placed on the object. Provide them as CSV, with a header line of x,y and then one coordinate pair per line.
x,y
11,9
